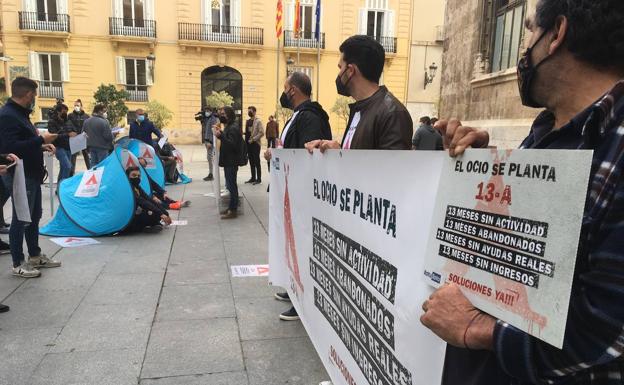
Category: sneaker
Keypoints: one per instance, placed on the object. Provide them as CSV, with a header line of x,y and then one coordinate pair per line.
x,y
3,308
250,181
4,248
290,315
26,270
257,182
209,178
175,205
229,215
186,204
42,260
5,230
153,229
282,297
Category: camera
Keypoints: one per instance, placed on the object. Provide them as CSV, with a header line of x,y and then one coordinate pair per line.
x,y
200,116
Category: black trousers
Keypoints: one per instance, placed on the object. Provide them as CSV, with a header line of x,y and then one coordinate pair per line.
x,y
254,161
85,155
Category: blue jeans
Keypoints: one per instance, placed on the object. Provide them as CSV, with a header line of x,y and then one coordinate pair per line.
x,y
20,230
64,157
97,155
230,184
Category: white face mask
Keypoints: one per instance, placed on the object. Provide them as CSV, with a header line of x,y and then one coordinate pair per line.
x,y
77,108
105,115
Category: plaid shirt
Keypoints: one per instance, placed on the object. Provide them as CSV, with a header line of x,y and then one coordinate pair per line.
x,y
594,341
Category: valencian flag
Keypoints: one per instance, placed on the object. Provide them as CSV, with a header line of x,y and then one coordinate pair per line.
x,y
317,32
278,19
297,18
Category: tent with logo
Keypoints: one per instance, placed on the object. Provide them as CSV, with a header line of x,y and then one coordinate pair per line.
x,y
154,167
97,202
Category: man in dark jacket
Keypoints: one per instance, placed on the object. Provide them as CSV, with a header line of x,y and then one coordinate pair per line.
x,y
574,70
230,156
60,124
78,118
377,120
18,136
426,137
142,129
99,135
308,123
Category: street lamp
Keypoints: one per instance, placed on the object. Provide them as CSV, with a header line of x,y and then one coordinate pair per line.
x,y
433,68
7,82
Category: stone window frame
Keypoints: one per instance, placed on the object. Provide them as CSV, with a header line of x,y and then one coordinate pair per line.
x,y
482,71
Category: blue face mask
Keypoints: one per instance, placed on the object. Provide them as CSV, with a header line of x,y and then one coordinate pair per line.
x,y
141,118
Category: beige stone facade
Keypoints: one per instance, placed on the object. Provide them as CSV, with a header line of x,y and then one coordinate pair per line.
x,y
476,88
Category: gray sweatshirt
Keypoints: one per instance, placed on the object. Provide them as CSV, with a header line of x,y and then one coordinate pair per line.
x,y
99,133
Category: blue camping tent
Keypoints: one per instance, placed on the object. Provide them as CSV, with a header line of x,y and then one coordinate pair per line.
x,y
154,168
94,203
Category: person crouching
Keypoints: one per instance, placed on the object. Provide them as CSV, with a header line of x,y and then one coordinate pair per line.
x,y
159,194
148,215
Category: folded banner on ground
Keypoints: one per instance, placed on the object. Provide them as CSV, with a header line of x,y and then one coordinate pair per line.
x,y
349,233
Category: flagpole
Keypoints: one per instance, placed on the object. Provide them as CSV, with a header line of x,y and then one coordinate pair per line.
x,y
277,78
318,68
298,53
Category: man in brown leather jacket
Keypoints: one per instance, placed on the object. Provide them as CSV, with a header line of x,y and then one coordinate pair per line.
x,y
378,120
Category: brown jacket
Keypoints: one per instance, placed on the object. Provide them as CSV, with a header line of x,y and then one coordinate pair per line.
x,y
385,123
272,130
257,131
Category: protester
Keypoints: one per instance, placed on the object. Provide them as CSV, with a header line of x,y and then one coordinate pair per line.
x,y
143,129
229,156
165,153
148,215
99,135
377,120
59,124
18,136
253,137
5,162
159,195
574,69
272,133
210,118
426,138
77,118
308,123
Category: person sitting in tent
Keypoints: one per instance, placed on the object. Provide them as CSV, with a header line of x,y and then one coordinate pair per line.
x,y
160,196
148,215
165,153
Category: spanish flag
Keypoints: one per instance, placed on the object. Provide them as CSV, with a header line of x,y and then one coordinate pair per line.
x,y
297,18
278,19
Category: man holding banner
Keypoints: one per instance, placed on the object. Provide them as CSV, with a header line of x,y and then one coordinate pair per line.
x,y
574,69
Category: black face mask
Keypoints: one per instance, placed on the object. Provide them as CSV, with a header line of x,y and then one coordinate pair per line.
x,y
251,115
135,182
223,119
341,87
526,75
285,101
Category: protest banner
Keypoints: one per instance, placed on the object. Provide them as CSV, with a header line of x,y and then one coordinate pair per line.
x,y
348,234
505,229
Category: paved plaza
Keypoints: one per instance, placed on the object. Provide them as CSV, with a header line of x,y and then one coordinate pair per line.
x,y
157,309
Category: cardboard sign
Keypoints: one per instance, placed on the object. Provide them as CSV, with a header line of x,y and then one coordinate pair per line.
x,y
250,271
78,143
90,184
504,233
179,223
74,242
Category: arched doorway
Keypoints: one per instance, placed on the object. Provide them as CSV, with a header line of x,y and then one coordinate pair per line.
x,y
224,79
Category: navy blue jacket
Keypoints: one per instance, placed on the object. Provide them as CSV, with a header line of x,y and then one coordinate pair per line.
x,y
18,136
144,131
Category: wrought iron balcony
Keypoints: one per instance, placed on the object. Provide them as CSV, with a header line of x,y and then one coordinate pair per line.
x,y
132,27
220,34
137,93
50,89
304,42
48,22
388,43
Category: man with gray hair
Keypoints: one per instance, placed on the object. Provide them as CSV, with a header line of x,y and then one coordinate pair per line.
x,y
309,122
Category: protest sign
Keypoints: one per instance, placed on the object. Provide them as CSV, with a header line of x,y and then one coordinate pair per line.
x,y
148,154
72,242
90,184
250,271
505,229
20,195
179,223
78,143
348,234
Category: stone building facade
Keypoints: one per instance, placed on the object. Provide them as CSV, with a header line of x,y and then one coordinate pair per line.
x,y
483,42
